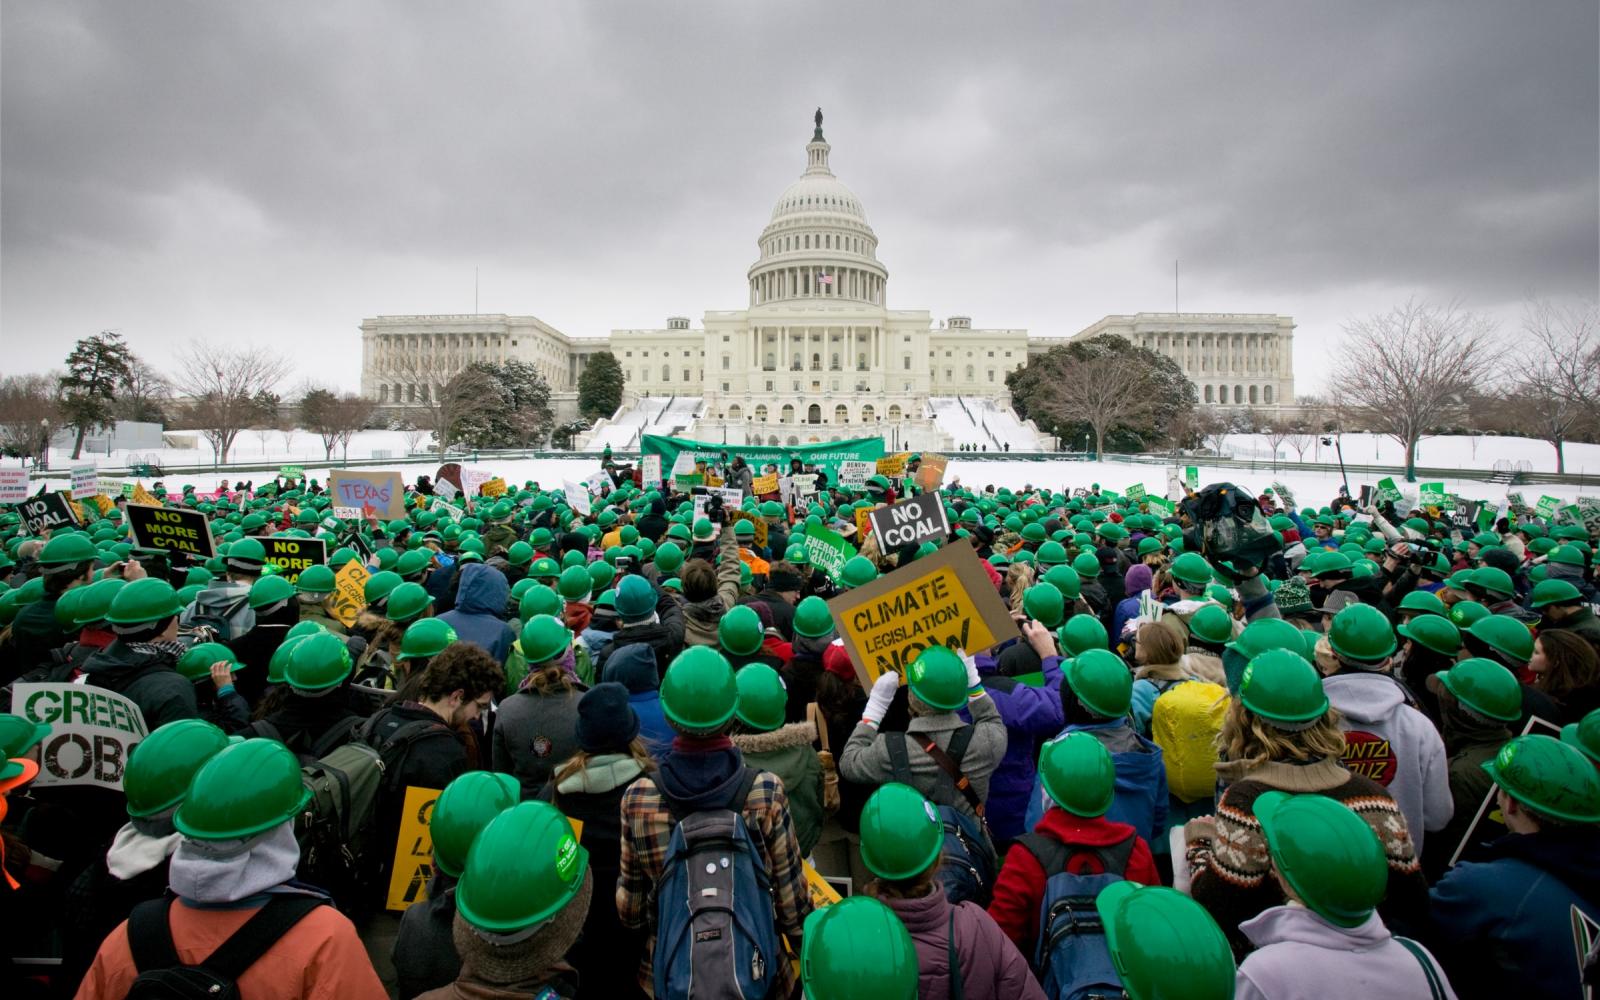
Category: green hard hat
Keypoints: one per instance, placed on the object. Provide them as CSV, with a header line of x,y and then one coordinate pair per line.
x,y
1212,624
94,601
1583,735
1087,565
698,693
544,638
812,618
278,666
1433,632
574,583
19,735
1494,580
668,557
1066,580
858,572
901,833
1282,686
1191,568
412,563
315,580
388,558
744,529
461,812
306,627
1423,603
1033,532
1464,613
1264,634
763,697
939,678
244,789
1081,633
144,602
539,600
635,597
1362,632
600,575
318,663
1078,774
161,766
1549,777
1567,555
1486,687
739,632
1051,554
519,553
249,553
798,554
1044,604
523,867
1164,945
380,584
195,663
1101,682
1505,635
270,590
68,550
857,948
407,602
544,568
1548,592
425,638
1329,856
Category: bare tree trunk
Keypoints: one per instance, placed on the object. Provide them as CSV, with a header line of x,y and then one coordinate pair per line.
x,y
1411,458
1561,456
77,445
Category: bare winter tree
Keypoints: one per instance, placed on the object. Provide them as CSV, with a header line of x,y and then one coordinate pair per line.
x,y
352,413
1277,430
224,388
412,435
1102,391
439,397
1405,372
1213,427
27,410
1556,391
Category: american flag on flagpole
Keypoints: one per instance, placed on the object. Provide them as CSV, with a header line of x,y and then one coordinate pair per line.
x,y
826,279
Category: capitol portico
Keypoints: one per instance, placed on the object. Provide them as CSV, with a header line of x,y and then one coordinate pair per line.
x,y
816,354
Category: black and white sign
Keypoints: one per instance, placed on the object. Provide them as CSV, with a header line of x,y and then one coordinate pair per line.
x,y
294,556
172,530
49,510
910,522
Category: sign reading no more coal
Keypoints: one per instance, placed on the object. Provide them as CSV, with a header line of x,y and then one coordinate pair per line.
x,y
911,522
171,530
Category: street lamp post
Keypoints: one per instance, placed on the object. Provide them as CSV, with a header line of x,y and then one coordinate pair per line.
x,y
44,444
1339,450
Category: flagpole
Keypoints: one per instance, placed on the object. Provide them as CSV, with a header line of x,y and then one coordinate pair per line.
x,y
1175,310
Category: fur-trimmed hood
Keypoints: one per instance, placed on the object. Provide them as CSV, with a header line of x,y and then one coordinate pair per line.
x,y
795,734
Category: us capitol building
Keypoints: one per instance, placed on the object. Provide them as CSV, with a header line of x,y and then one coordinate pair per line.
x,y
817,354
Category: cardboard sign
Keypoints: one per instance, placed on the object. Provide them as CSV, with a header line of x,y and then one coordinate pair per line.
x,y
472,479
172,530
495,487
853,475
650,469
762,485
382,492
292,471
92,731
349,592
293,556
760,523
827,550
144,496
893,466
413,849
444,509
805,483
1285,495
911,522
822,893
930,473
944,599
85,481
51,510
1487,824
1431,494
1547,507
864,520
1191,477
1589,513
445,490
13,485
577,497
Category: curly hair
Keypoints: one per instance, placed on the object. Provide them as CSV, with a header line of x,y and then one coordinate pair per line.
x,y
1248,738
1570,664
462,666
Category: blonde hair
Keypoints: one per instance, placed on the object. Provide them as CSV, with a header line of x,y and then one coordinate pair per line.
x,y
1019,577
580,760
1249,739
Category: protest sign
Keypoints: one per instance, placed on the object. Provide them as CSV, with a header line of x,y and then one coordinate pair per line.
x,y
762,485
449,510
650,469
1191,477
944,599
349,592
744,515
1487,823
13,485
294,556
1589,513
348,513
853,475
92,731
822,893
1387,490
864,520
1156,503
380,491
1547,507
85,481
472,479
1134,492
292,471
805,483
893,466
827,550
911,522
823,455
1285,495
495,487
577,496
930,472
172,530
445,490
413,849
1431,494
144,496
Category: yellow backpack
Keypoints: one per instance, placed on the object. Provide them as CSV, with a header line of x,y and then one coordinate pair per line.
x,y
1184,722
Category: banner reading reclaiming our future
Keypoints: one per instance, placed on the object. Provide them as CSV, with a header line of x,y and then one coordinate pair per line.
x,y
826,455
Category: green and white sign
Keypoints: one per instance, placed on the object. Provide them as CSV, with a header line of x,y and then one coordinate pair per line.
x,y
1191,477
1432,495
1547,507
827,550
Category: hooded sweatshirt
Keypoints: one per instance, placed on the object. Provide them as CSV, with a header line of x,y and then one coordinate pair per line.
x,y
787,752
145,673
991,967
1141,799
1395,745
634,667
480,603
1301,956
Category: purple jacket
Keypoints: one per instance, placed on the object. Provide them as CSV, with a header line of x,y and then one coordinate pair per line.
x,y
991,966
1031,714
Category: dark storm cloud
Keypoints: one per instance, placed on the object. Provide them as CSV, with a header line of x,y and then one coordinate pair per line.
x,y
1287,152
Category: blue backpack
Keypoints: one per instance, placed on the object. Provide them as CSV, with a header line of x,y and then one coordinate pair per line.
x,y
968,865
1071,956
716,935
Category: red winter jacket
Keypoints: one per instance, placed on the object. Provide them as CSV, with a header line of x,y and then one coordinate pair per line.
x,y
1020,888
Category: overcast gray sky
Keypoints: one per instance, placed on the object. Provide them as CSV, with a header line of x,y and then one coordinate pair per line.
x,y
275,172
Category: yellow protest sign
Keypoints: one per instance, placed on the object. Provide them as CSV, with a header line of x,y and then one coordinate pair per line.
x,y
944,599
493,488
413,850
764,484
744,515
863,521
822,894
144,496
893,466
349,592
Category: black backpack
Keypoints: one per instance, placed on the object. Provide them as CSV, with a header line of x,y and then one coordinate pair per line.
x,y
968,866
163,976
393,738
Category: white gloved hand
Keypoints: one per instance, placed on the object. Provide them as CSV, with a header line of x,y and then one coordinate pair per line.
x,y
882,694
973,680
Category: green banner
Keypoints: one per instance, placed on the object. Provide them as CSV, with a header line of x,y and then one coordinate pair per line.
x,y
825,455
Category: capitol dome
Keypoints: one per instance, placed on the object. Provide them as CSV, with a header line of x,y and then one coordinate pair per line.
x,y
818,243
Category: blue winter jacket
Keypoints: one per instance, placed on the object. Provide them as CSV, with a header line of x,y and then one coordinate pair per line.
x,y
1031,714
1502,925
478,616
634,667
1141,799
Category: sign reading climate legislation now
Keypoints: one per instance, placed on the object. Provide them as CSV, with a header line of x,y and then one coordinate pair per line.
x,y
50,510
349,592
379,490
944,599
911,522
171,530
293,556
825,455
92,731
413,850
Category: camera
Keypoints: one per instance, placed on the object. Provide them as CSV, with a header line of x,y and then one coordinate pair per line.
x,y
714,511
624,565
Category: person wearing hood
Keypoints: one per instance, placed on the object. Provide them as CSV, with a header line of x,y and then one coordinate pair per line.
x,y
1031,713
1328,939
813,631
425,956
536,728
634,667
520,908
704,770
961,952
478,616
781,594
141,664
1386,739
1135,582
589,787
236,859
1503,922
1478,703
709,593
650,617
768,743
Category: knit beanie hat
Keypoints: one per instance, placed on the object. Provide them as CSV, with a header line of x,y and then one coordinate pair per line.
x,y
1293,597
606,722
505,963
